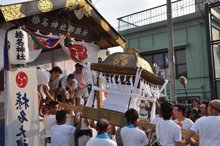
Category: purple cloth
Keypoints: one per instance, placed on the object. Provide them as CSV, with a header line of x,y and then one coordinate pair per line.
x,y
46,37
2,135
6,61
52,43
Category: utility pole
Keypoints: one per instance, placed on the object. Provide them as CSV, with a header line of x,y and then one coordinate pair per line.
x,y
172,74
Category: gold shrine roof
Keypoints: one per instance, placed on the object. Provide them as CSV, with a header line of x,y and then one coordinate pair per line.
x,y
127,64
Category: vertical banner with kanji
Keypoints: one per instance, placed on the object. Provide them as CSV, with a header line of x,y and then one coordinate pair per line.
x,y
21,102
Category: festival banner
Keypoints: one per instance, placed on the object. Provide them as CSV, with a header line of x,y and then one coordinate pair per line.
x,y
22,121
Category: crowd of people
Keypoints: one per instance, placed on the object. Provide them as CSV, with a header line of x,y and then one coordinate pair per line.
x,y
167,131
196,118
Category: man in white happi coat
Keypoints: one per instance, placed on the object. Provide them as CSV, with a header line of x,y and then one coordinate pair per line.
x,y
207,127
82,77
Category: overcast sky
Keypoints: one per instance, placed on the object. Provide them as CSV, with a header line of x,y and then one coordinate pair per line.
x,y
113,9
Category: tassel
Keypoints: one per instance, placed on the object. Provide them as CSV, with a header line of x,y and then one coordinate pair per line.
x,y
125,79
119,80
131,82
109,81
114,83
104,82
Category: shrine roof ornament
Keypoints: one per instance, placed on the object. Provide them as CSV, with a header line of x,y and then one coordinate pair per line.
x,y
126,64
30,8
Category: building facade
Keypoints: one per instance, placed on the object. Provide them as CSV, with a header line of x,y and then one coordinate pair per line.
x,y
190,47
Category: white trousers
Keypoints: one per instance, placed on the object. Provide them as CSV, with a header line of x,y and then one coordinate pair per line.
x,y
82,92
82,140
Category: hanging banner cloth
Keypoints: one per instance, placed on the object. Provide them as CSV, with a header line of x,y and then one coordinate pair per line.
x,y
82,52
22,121
43,44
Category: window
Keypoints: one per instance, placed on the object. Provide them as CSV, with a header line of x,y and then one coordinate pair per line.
x,y
180,58
160,61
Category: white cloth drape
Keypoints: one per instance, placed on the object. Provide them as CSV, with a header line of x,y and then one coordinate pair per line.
x,y
83,52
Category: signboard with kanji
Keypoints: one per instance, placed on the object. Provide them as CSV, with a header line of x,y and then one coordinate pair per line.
x,y
57,25
22,121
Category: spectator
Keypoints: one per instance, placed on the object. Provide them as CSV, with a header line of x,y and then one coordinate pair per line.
x,y
195,110
207,127
195,102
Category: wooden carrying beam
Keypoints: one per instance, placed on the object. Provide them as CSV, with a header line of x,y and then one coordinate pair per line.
x,y
118,119
67,106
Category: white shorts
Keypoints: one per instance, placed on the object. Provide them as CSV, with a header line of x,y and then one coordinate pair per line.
x,y
83,140
82,92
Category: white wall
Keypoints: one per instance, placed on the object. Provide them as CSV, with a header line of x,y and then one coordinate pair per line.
x,y
57,57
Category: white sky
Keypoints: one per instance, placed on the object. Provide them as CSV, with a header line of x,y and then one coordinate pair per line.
x,y
113,9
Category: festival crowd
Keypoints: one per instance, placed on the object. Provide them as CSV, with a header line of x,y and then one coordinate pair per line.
x,y
192,124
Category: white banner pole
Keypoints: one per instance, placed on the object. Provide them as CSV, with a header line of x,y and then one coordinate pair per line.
x,y
5,101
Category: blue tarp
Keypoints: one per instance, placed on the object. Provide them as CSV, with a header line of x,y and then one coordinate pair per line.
x,y
2,135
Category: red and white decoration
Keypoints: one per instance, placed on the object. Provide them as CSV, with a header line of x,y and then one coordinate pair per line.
x,y
83,52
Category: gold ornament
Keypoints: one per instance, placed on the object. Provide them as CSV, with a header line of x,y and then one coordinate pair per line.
x,y
121,42
105,25
116,61
86,7
122,57
70,3
124,62
12,12
45,5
